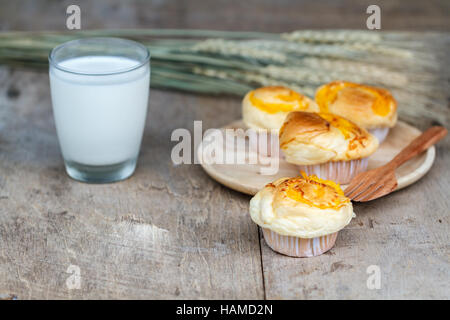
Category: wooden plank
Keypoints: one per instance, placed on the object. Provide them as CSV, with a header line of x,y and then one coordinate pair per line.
x,y
167,232
250,15
405,234
171,232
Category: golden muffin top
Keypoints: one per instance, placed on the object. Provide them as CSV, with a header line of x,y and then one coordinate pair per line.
x,y
314,138
278,99
267,107
367,106
304,206
313,191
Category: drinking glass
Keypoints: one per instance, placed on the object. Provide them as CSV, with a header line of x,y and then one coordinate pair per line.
x,y
99,89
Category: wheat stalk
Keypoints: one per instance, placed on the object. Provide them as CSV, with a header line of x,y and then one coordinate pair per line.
x,y
332,36
207,61
242,50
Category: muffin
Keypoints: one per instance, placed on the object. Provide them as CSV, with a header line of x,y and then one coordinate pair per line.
x,y
265,109
326,145
301,216
371,108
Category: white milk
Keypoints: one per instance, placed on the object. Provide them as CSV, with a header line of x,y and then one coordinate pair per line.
x,y
100,118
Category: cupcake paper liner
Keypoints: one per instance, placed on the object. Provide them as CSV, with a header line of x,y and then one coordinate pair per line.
x,y
380,133
299,247
339,171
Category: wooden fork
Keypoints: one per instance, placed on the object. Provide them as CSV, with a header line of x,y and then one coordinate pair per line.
x,y
378,182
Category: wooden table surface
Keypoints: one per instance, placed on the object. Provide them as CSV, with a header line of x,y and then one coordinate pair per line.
x,y
171,231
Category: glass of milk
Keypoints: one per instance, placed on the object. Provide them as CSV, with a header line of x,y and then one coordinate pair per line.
x,y
99,89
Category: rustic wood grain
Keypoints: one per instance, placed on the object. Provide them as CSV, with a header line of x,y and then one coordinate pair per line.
x,y
167,232
171,231
405,234
250,15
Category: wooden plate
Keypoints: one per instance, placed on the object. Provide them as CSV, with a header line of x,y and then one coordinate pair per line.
x,y
247,178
